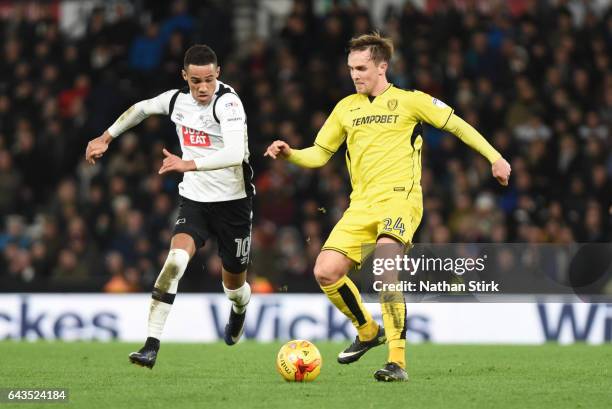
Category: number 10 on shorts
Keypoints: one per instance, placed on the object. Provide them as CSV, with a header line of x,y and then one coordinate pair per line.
x,y
243,246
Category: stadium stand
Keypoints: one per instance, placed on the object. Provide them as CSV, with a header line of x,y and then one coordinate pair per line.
x,y
534,78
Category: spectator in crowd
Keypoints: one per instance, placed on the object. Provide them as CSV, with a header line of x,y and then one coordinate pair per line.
x,y
535,77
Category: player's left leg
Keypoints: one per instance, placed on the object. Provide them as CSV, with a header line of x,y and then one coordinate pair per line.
x,y
238,291
232,226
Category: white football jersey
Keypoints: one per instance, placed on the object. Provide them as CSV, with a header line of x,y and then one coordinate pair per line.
x,y
199,129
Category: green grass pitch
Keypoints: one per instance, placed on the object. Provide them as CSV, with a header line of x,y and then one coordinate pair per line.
x,y
98,375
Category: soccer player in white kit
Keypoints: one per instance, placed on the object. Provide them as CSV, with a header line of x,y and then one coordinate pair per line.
x,y
215,194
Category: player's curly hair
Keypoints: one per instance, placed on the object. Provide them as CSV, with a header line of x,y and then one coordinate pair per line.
x,y
381,48
199,54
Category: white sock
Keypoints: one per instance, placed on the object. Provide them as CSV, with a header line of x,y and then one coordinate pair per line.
x,y
239,297
157,318
165,290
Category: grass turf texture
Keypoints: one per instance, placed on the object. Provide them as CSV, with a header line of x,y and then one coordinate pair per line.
x,y
98,375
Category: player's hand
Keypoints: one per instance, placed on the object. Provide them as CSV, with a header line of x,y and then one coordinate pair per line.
x,y
278,148
173,163
97,146
501,171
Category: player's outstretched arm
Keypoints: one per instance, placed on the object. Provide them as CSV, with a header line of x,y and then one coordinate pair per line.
x,y
278,149
97,146
500,168
313,157
130,118
501,171
328,140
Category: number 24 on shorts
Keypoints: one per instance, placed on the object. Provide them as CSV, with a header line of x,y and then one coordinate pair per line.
x,y
398,225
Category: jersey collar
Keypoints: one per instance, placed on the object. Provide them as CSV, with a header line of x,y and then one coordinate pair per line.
x,y
372,98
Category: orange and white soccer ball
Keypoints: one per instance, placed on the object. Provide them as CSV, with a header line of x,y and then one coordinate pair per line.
x,y
299,361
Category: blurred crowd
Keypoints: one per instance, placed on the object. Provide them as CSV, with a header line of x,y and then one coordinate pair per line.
x,y
532,76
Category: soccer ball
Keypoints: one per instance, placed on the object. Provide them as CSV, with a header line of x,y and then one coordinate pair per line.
x,y
299,361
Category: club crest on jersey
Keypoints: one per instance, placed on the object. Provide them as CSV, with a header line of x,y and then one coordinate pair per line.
x,y
178,116
192,137
392,104
206,121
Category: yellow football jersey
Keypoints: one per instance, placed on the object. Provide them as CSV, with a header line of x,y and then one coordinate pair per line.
x,y
384,138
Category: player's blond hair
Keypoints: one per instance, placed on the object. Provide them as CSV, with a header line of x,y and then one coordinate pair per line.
x,y
381,48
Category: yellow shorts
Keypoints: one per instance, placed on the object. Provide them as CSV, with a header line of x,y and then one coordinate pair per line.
x,y
363,224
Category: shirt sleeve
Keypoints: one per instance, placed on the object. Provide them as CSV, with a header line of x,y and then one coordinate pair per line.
x,y
135,114
332,134
230,112
312,157
232,118
327,142
429,109
472,138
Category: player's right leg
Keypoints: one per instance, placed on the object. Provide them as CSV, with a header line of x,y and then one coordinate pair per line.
x,y
393,308
330,271
190,233
182,249
398,220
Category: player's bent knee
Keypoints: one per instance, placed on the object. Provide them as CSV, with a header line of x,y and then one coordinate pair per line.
x,y
327,274
239,296
331,267
173,270
183,241
176,262
231,280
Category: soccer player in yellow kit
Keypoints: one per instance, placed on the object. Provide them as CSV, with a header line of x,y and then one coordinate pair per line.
x,y
381,126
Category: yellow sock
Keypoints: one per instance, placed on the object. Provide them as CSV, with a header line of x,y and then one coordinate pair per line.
x,y
345,296
397,352
394,318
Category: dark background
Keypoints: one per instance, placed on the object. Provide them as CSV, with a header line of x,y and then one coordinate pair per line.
x,y
532,76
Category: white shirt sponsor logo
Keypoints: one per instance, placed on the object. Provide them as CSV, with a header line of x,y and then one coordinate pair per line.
x,y
439,103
